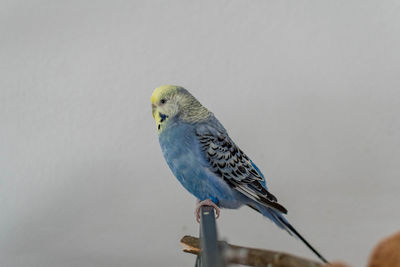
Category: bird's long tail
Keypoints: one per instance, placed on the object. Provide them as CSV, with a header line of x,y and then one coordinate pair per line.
x,y
282,222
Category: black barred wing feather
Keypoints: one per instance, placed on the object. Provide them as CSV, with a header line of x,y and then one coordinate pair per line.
x,y
231,164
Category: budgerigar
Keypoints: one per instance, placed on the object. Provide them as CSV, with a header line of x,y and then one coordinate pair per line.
x,y
207,162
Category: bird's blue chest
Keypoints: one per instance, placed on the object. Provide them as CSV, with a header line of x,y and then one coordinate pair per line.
x,y
181,151
176,141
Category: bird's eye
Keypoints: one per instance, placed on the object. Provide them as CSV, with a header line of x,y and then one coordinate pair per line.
x,y
163,101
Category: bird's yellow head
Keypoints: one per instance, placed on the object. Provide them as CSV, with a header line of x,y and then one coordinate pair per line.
x,y
171,101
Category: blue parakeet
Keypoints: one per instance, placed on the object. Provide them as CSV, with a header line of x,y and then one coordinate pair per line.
x,y
207,162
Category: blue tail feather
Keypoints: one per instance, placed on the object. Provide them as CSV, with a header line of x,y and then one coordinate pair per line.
x,y
283,223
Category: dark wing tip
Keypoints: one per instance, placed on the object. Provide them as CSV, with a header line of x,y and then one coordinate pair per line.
x,y
274,205
279,207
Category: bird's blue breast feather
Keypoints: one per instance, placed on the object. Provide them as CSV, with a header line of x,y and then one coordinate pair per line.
x,y
183,155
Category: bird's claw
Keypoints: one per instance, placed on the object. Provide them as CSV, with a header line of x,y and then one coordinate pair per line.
x,y
207,202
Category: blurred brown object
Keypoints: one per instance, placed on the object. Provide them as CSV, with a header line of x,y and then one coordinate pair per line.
x,y
386,253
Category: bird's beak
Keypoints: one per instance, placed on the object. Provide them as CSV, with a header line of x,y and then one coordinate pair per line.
x,y
153,110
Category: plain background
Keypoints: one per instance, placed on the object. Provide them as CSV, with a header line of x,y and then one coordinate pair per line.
x,y
310,90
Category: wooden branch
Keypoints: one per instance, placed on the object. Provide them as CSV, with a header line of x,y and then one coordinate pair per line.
x,y
250,256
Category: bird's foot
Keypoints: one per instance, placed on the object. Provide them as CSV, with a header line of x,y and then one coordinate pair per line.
x,y
207,202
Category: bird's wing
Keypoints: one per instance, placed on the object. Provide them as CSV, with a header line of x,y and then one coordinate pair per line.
x,y
232,165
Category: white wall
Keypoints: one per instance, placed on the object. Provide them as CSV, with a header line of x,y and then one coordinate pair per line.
x,y
309,89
